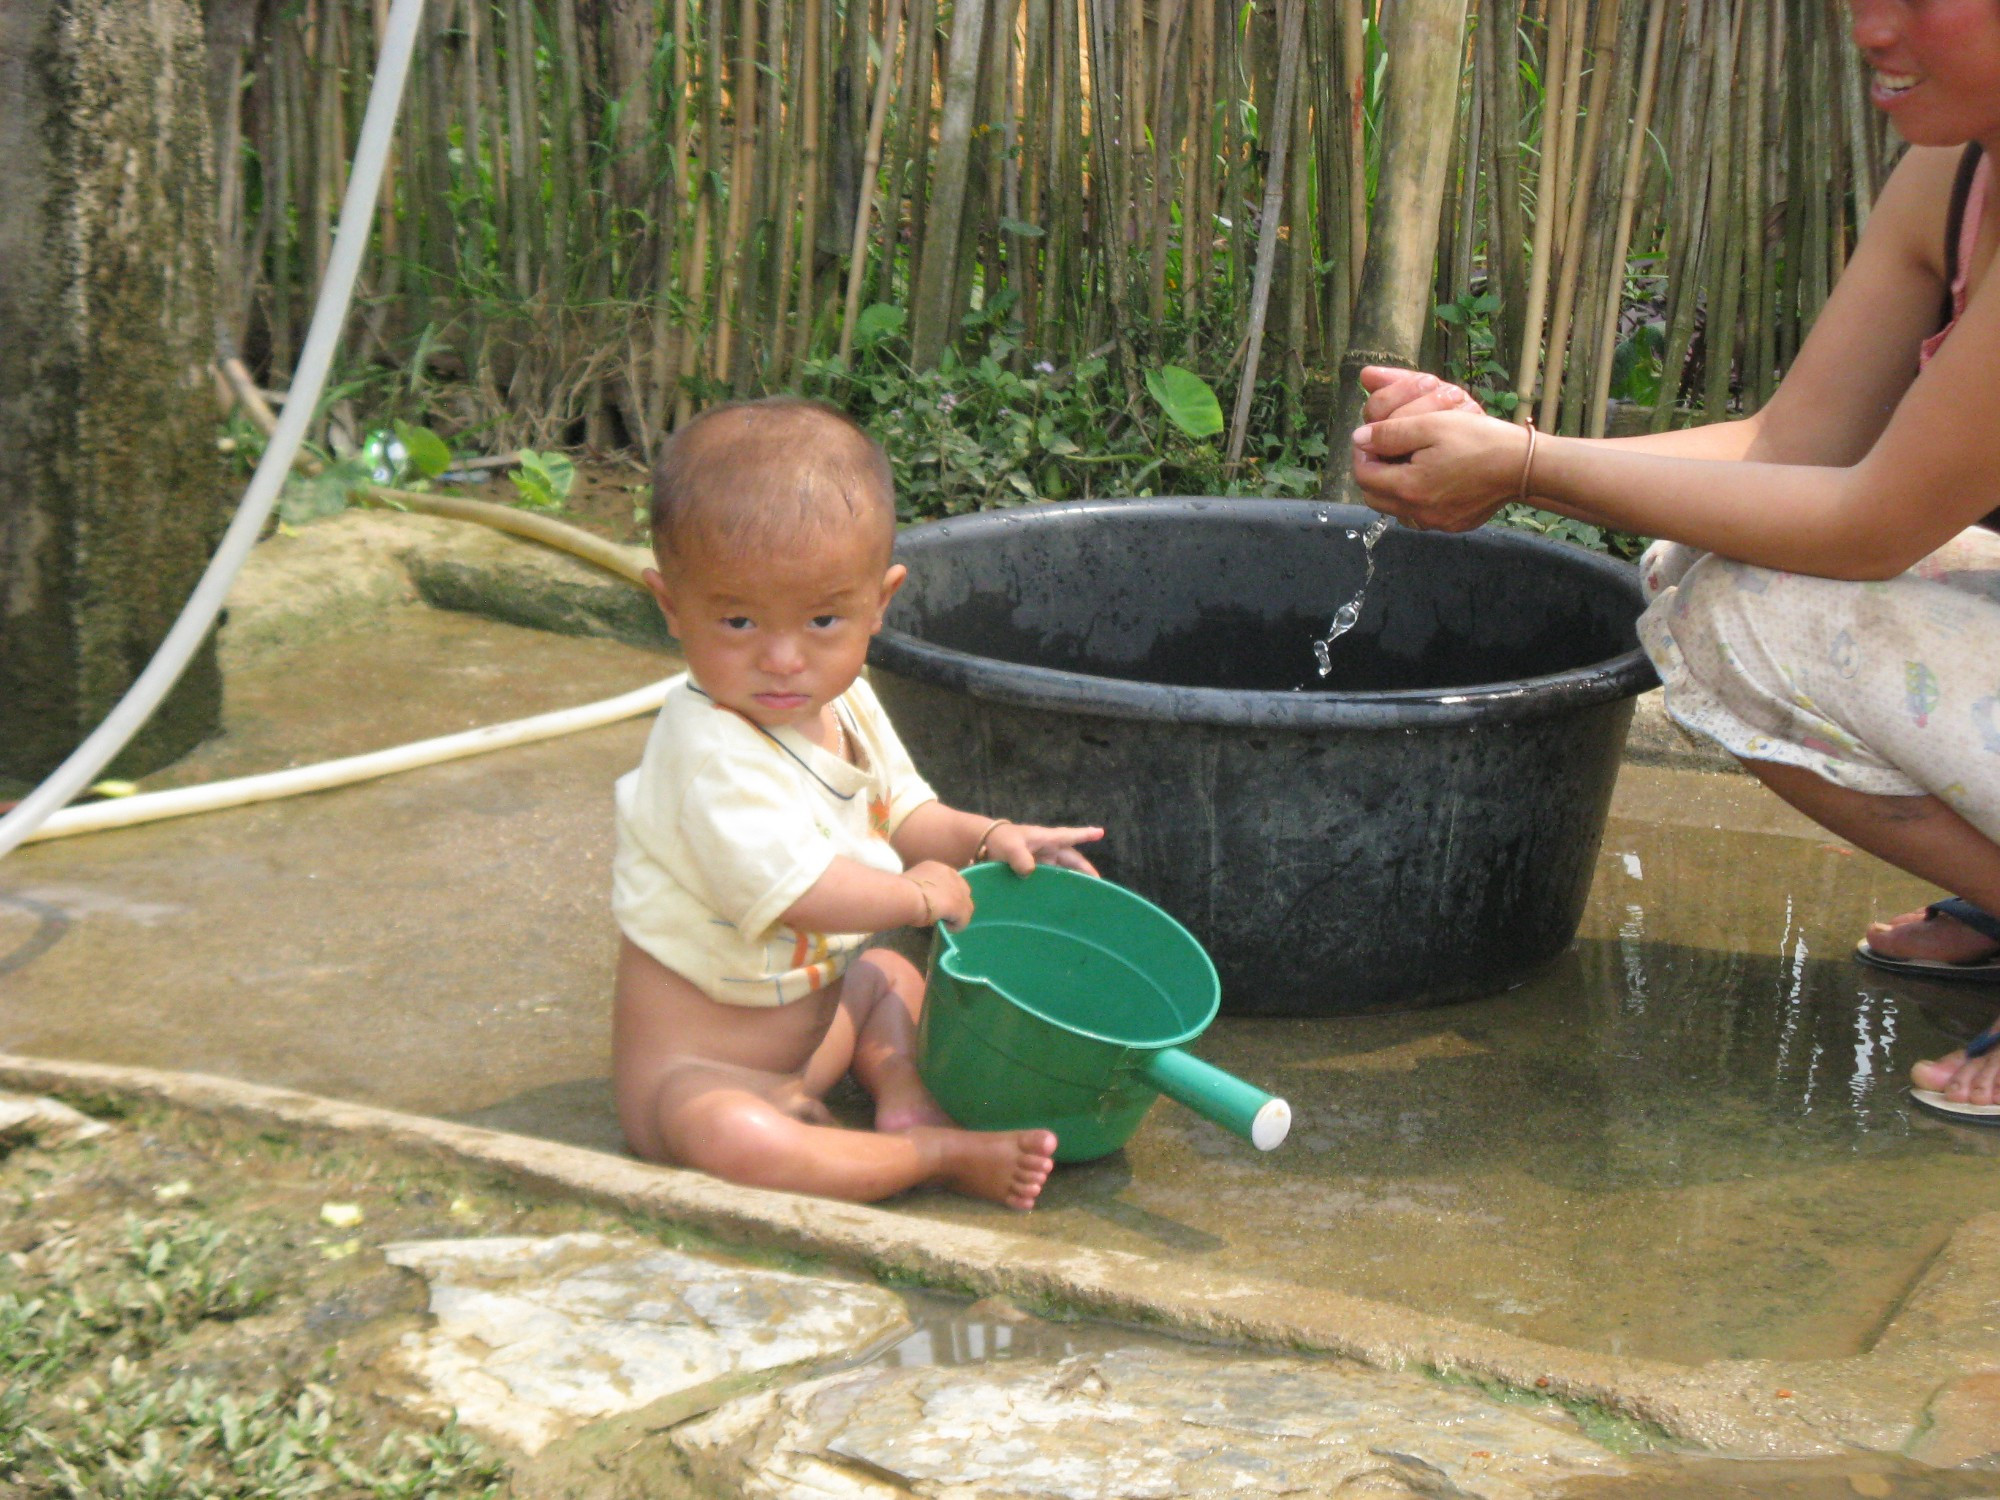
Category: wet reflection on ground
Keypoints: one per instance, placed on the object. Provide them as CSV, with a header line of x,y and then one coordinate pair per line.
x,y
1687,1139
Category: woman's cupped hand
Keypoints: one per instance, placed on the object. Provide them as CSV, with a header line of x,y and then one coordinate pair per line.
x,y
1427,454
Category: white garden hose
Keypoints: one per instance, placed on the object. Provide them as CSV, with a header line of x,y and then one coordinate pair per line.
x,y
149,807
357,213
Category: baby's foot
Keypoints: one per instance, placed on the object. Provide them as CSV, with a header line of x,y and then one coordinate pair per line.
x,y
1940,939
1005,1166
902,1102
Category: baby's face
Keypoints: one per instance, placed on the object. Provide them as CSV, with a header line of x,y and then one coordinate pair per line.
x,y
778,638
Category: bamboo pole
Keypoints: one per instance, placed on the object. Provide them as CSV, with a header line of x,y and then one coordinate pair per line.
x,y
931,317
1579,208
732,254
1628,203
878,115
1291,21
1548,205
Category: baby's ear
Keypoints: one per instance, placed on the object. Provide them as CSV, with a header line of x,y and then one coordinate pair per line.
x,y
656,585
891,583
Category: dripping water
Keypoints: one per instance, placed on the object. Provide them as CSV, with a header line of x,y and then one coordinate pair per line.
x,y
1345,617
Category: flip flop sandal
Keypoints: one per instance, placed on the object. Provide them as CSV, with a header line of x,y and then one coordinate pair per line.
x,y
1931,1102
1978,970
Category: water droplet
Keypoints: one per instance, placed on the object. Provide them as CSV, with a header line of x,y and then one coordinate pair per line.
x,y
1346,617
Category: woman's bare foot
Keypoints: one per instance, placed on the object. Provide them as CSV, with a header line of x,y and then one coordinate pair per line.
x,y
1005,1166
1962,1082
1939,939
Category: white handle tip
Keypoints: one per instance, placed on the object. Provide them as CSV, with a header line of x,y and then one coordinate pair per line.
x,y
1272,1125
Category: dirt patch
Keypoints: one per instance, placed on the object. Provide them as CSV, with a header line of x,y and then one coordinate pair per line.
x,y
194,1306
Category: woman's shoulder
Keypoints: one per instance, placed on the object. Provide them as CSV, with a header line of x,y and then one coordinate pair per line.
x,y
1916,200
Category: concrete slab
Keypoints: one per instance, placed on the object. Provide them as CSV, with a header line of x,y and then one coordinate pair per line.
x,y
1133,1422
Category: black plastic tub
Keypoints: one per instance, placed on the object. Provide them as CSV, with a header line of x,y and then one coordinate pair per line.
x,y
1419,827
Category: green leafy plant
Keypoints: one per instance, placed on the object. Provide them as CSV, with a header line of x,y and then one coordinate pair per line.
x,y
1638,364
307,497
1187,399
1480,372
543,480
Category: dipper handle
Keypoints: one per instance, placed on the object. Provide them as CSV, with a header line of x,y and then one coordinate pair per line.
x,y
1238,1107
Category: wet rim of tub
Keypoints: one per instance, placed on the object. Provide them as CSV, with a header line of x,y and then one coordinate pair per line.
x,y
1026,685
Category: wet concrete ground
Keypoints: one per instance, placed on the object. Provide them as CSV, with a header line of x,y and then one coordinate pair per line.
x,y
1684,1140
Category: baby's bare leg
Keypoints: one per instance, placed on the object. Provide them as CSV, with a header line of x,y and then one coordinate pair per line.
x,y
882,994
680,1102
719,1121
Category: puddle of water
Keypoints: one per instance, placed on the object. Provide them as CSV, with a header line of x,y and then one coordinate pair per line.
x,y
1686,1140
949,1332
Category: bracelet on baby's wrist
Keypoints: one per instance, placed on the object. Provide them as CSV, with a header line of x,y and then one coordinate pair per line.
x,y
985,836
923,895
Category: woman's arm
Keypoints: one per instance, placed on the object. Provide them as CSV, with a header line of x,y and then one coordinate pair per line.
x,y
1854,471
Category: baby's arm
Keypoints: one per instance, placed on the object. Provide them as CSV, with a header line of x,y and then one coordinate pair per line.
x,y
951,837
853,897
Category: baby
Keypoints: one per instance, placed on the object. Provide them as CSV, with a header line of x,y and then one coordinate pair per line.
x,y
775,822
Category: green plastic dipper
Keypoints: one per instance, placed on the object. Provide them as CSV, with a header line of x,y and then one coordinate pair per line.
x,y
1064,1003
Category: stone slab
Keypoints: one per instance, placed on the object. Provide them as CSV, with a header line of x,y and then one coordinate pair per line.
x,y
1133,1423
49,1122
1964,1424
305,582
535,1337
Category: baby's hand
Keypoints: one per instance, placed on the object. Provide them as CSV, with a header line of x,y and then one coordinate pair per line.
x,y
1022,846
945,889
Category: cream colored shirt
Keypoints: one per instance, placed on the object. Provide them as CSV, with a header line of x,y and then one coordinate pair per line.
x,y
725,825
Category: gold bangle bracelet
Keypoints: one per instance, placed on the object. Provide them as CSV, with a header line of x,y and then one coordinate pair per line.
x,y
979,851
1528,462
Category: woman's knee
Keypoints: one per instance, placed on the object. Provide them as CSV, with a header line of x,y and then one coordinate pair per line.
x,y
1664,564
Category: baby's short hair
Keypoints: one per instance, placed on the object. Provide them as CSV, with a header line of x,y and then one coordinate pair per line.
x,y
766,475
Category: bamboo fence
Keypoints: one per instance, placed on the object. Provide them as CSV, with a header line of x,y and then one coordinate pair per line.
x,y
603,212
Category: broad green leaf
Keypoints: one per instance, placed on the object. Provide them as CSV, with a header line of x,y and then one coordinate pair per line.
x,y
1187,399
878,321
425,448
1021,231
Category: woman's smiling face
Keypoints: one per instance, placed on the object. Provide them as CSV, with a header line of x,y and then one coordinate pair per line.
x,y
1937,67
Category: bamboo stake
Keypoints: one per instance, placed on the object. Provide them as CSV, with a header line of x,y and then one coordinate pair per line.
x,y
931,316
1728,243
1628,202
1291,20
1586,172
871,161
1548,204
731,254
1354,53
